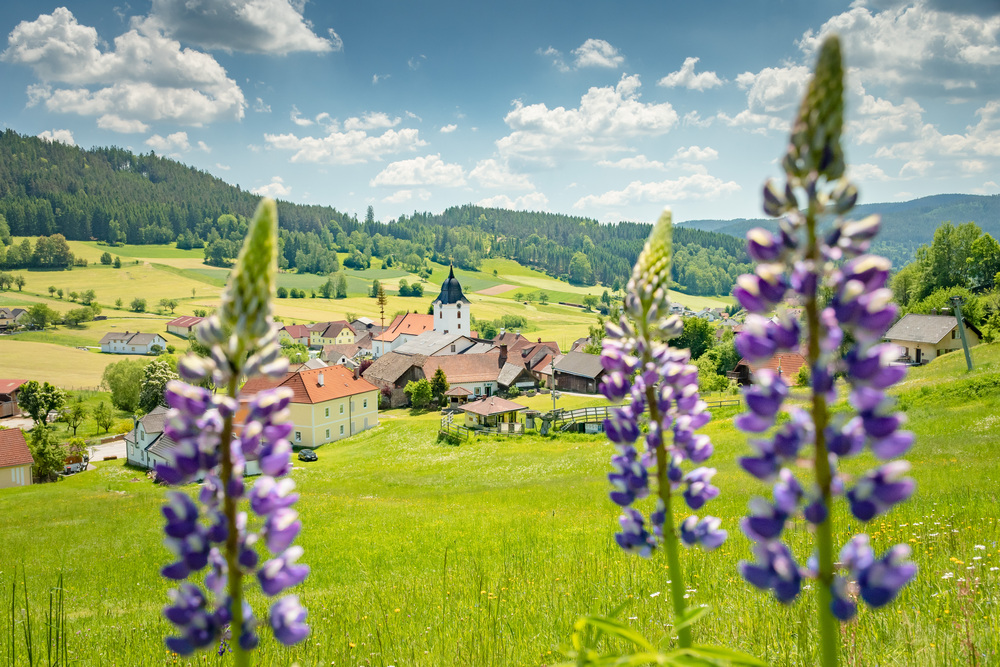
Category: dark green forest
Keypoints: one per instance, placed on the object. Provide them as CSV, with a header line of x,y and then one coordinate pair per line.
x,y
115,196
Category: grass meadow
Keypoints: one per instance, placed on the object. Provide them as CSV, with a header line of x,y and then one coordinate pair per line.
x,y
425,553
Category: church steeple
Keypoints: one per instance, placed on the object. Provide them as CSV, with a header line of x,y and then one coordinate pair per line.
x,y
451,290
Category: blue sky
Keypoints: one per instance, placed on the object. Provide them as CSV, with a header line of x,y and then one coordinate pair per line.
x,y
607,110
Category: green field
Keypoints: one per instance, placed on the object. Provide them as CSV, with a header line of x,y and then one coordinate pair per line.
x,y
63,366
485,553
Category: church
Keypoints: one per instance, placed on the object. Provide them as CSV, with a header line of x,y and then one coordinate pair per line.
x,y
451,308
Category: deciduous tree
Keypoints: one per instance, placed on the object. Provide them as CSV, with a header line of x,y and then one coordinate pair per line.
x,y
40,399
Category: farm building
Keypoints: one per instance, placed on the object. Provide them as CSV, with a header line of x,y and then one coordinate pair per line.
x,y
493,412
15,459
184,326
11,318
132,343
786,365
8,397
579,372
921,338
327,404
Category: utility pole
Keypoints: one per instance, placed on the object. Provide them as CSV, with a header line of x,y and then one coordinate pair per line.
x,y
552,366
956,302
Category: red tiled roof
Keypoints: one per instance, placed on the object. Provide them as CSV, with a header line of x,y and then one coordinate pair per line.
x,y
493,405
338,382
10,386
407,323
13,449
460,368
297,330
185,321
790,363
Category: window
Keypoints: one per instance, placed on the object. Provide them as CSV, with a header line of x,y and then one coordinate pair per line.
x,y
953,334
459,314
328,412
298,436
366,403
327,434
478,390
440,314
366,422
341,408
341,429
452,348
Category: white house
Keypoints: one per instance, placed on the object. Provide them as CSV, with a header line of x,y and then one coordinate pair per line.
x,y
132,343
147,444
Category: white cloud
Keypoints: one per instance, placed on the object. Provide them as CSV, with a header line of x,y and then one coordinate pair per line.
x,y
534,201
634,162
202,146
426,170
597,53
972,166
145,77
178,141
62,136
254,26
448,129
379,77
296,117
402,196
859,173
696,154
693,186
557,58
372,120
351,147
915,168
260,107
415,62
223,167
605,119
276,188
116,124
494,174
686,78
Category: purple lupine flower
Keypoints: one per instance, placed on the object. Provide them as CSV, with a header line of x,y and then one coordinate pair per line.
x,y
634,538
705,532
858,310
699,488
287,620
242,343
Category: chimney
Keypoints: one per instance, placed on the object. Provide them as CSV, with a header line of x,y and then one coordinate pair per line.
x,y
320,380
539,339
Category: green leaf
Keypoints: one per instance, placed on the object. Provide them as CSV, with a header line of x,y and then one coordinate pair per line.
x,y
720,655
618,629
691,616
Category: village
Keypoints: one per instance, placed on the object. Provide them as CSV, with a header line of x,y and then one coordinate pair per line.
x,y
434,360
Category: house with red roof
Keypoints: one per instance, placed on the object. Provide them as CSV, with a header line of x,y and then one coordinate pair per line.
x,y
785,364
184,326
327,403
402,329
8,397
293,334
15,459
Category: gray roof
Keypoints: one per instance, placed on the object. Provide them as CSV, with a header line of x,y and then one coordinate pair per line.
x,y
432,342
922,328
580,363
154,420
479,348
115,335
451,290
161,446
144,338
509,373
390,367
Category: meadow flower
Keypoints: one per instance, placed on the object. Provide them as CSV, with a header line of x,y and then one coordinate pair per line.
x,y
217,537
658,451
845,304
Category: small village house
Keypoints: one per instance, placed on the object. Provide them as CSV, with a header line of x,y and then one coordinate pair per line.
x,y
132,343
493,412
457,396
8,397
785,364
147,444
921,338
327,404
184,326
333,333
11,318
15,459
579,372
294,334
402,329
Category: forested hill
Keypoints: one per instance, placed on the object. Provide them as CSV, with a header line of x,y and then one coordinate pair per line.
x,y
905,225
116,196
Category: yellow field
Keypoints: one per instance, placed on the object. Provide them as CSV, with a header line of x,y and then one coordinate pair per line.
x,y
131,281
64,367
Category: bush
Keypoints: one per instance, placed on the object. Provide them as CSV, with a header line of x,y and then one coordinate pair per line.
x,y
138,305
282,292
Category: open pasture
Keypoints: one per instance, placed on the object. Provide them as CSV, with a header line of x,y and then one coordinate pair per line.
x,y
63,366
424,553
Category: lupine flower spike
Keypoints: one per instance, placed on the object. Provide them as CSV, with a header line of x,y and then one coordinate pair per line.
x,y
655,381
798,264
217,537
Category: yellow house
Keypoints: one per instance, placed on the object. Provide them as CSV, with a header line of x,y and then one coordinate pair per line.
x,y
921,338
334,333
295,334
15,459
11,317
327,404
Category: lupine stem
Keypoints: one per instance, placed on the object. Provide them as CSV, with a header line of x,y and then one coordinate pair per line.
x,y
829,628
664,491
241,657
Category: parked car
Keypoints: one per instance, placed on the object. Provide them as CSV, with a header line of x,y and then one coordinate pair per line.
x,y
307,455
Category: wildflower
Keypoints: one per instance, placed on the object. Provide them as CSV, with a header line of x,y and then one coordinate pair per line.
x,y
798,263
242,343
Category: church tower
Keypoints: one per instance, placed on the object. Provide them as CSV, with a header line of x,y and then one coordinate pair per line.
x,y
451,309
